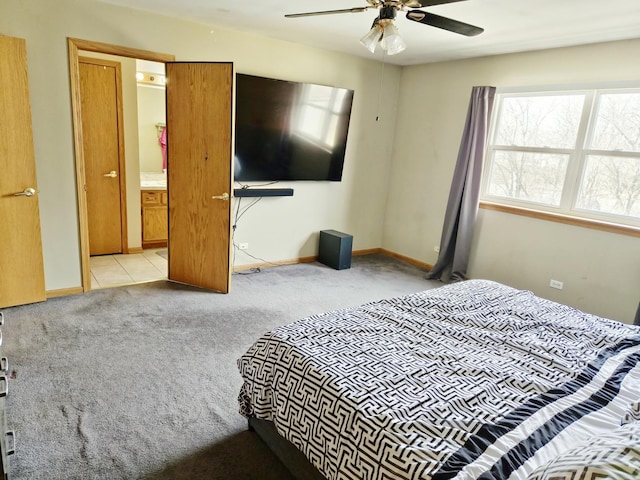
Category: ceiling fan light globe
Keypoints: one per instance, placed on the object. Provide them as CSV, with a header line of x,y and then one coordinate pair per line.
x,y
370,40
391,40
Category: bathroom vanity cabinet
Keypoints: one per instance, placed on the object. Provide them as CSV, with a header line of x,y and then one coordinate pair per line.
x,y
155,231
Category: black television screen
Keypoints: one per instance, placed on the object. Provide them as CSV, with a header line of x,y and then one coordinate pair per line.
x,y
289,130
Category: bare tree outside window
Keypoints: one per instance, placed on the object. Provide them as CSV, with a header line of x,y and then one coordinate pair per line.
x,y
575,152
539,121
534,124
534,177
611,183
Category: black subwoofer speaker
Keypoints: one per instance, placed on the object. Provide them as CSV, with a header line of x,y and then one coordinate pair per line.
x,y
335,249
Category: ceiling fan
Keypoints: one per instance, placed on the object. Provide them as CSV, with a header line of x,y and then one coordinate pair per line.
x,y
384,31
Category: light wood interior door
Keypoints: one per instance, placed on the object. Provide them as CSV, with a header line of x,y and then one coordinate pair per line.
x,y
21,263
199,148
103,144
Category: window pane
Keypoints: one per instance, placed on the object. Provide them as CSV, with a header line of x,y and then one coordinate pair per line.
x,y
617,122
611,185
534,177
539,121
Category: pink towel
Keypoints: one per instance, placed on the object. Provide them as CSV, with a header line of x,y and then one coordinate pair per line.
x,y
163,145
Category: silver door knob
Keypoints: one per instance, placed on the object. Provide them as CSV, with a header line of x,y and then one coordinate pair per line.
x,y
28,192
111,174
224,196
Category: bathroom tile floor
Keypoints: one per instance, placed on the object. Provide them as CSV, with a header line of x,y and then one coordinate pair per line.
x,y
113,270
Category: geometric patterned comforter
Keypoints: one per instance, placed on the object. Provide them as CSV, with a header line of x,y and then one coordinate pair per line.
x,y
470,380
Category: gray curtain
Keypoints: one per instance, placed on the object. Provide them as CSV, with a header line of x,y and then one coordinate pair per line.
x,y
462,208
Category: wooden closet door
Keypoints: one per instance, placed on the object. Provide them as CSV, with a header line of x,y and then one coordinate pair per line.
x,y
199,174
103,145
21,263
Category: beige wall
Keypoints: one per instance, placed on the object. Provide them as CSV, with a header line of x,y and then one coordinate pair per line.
x,y
600,271
276,228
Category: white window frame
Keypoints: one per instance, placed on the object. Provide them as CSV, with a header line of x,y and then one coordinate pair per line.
x,y
575,167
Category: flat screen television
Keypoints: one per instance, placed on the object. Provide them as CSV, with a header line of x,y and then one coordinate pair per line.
x,y
290,130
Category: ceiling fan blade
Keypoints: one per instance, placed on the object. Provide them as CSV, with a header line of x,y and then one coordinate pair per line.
x,y
328,12
427,3
444,23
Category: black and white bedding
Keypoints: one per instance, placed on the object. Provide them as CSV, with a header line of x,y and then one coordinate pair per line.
x,y
470,380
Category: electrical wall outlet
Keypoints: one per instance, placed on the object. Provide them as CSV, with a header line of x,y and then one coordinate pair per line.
x,y
557,284
243,246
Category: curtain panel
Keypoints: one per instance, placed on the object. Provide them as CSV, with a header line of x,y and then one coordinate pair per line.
x,y
462,207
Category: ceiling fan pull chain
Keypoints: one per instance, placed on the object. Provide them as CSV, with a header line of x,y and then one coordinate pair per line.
x,y
380,88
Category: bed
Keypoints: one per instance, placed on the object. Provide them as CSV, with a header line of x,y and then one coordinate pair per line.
x,y
470,380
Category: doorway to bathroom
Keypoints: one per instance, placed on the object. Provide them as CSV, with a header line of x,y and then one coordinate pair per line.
x,y
199,182
124,144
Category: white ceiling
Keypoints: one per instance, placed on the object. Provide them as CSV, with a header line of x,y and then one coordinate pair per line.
x,y
510,25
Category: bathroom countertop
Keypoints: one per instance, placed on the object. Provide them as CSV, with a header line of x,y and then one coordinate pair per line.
x,y
153,181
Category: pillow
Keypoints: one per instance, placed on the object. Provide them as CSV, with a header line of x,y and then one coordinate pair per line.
x,y
614,455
